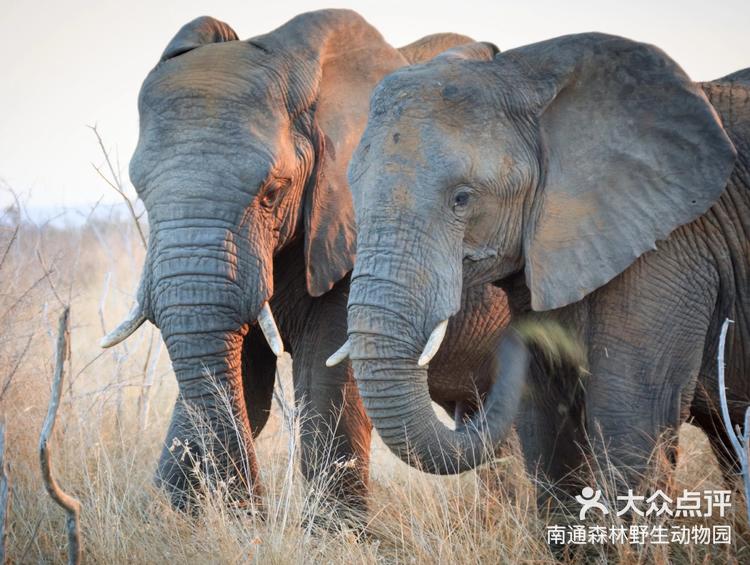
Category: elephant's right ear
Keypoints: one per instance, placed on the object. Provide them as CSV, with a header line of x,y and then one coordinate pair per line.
x,y
430,46
474,51
630,149
200,31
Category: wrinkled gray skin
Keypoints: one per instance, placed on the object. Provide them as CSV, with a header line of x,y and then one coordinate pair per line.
x,y
241,164
594,181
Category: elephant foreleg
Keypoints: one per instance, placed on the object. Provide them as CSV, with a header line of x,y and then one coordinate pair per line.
x,y
335,431
648,330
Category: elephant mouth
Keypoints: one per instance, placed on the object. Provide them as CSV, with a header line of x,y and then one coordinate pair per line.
x,y
430,349
138,316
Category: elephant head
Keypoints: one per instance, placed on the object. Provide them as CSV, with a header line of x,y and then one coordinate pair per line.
x,y
562,161
243,149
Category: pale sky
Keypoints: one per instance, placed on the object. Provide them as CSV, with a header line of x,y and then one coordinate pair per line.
x,y
67,64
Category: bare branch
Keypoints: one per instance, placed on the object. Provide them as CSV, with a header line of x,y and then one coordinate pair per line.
x,y
4,497
12,374
47,272
740,438
10,244
116,184
24,294
71,506
722,387
103,300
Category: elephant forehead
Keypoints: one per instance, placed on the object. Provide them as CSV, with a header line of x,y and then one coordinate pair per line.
x,y
208,93
213,78
434,90
413,148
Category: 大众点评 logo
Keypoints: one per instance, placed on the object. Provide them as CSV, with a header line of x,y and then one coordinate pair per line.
x,y
691,504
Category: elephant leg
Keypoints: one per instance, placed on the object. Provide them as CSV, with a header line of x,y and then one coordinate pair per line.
x,y
335,431
630,411
550,427
644,365
625,427
258,378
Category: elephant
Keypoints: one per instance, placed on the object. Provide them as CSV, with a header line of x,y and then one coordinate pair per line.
x,y
737,76
608,195
241,164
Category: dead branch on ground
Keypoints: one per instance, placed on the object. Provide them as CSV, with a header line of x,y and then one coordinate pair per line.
x,y
71,506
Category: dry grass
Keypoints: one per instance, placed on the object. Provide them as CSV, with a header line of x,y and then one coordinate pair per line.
x,y
114,415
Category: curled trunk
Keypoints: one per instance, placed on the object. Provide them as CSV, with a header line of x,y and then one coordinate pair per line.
x,y
385,347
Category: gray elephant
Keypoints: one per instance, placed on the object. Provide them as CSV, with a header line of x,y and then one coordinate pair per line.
x,y
737,76
591,179
241,164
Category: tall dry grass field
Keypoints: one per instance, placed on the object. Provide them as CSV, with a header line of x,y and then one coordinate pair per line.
x,y
113,417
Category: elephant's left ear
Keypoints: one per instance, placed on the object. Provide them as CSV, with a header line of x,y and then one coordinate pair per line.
x,y
200,31
353,58
351,66
630,150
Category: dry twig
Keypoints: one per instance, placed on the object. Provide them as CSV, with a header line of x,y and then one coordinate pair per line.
x,y
14,370
739,438
11,241
116,184
4,496
71,506
47,272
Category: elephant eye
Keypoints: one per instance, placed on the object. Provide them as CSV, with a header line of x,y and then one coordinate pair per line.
x,y
273,191
461,200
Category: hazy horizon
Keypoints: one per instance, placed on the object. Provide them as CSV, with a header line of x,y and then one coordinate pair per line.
x,y
72,64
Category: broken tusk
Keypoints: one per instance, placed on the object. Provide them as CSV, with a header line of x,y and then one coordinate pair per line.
x,y
341,354
433,343
135,319
269,329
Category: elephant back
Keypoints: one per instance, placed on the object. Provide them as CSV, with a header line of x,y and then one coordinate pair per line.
x,y
731,99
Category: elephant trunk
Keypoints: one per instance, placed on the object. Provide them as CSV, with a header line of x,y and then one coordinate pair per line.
x,y
209,442
198,300
393,308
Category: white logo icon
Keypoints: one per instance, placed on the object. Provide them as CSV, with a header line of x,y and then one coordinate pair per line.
x,y
589,499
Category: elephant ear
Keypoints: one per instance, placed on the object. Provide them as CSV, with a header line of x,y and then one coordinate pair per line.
x,y
430,46
200,31
353,57
630,150
474,51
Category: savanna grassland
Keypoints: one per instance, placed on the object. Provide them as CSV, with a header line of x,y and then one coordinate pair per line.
x,y
114,413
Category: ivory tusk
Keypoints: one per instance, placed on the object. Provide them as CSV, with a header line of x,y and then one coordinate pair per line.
x,y
341,354
135,319
270,331
433,343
